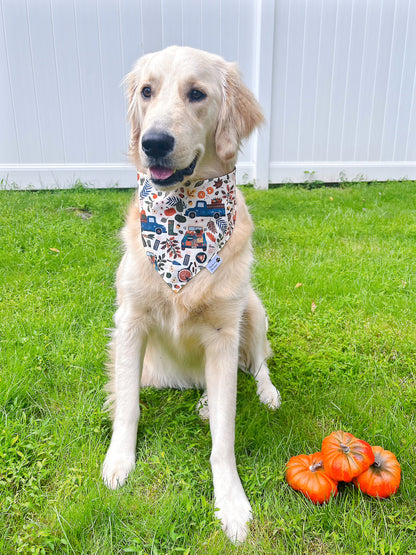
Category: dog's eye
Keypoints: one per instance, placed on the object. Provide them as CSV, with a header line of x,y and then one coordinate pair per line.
x,y
195,95
146,92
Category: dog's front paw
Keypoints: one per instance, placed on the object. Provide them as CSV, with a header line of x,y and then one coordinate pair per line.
x,y
270,396
235,515
116,468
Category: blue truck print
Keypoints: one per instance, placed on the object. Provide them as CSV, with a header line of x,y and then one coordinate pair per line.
x,y
194,238
150,224
214,210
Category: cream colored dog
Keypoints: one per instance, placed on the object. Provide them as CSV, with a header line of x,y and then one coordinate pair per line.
x,y
188,111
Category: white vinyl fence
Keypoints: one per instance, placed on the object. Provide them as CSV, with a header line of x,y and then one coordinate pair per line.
x,y
336,79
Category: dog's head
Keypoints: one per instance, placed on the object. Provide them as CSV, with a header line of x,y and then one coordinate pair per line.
x,y
189,111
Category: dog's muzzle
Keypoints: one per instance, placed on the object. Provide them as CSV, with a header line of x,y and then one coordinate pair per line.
x,y
157,147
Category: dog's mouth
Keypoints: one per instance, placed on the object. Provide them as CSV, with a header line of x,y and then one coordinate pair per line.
x,y
163,176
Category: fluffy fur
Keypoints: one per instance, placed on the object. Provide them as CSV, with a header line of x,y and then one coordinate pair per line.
x,y
198,337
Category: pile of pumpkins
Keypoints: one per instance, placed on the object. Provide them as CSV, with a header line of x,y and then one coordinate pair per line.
x,y
344,458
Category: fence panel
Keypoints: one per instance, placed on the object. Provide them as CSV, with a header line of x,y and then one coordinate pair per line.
x,y
344,90
336,79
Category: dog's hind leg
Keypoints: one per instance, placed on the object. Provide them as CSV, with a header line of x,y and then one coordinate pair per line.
x,y
255,350
202,406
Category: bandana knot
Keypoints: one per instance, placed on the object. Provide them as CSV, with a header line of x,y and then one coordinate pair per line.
x,y
184,230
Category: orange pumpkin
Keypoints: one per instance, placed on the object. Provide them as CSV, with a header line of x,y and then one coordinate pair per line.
x,y
345,456
306,473
382,478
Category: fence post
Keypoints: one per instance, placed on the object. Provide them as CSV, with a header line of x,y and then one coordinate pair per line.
x,y
264,84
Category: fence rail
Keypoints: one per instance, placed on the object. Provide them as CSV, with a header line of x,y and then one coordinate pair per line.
x,y
336,79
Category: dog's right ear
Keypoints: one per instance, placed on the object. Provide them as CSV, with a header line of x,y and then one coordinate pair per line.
x,y
131,84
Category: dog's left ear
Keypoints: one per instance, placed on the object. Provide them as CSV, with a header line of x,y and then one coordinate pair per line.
x,y
240,114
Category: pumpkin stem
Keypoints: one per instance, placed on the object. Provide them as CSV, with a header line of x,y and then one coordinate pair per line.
x,y
377,463
345,448
316,466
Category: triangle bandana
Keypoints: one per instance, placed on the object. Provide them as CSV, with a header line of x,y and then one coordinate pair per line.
x,y
184,230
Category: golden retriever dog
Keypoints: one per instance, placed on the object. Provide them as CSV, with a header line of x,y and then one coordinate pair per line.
x,y
188,317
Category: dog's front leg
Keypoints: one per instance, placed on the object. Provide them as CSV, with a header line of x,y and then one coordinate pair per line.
x,y
129,344
231,502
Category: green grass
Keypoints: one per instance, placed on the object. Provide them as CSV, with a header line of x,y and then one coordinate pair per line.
x,y
348,364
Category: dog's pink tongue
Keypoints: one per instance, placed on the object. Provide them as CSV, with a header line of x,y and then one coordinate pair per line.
x,y
160,173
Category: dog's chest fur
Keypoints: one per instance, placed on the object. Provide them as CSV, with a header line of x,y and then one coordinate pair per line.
x,y
175,322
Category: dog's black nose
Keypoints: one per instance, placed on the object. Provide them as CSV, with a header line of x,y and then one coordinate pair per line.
x,y
156,144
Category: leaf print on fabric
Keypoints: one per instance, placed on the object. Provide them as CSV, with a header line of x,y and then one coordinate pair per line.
x,y
191,193
172,248
212,227
173,200
160,262
222,224
148,202
146,190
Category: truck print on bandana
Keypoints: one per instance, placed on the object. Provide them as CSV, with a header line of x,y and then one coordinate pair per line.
x,y
185,229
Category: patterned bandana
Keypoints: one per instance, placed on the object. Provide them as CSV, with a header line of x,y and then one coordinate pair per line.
x,y
184,230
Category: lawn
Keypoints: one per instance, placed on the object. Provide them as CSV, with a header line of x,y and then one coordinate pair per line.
x,y
336,269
